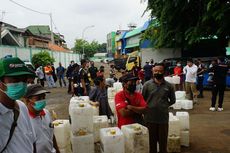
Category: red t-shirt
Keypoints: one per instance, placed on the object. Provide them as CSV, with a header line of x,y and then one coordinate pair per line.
x,y
177,70
121,102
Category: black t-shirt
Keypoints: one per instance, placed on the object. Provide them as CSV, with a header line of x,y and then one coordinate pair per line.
x,y
84,75
220,73
93,72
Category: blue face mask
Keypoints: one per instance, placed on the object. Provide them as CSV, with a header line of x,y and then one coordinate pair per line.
x,y
39,105
16,90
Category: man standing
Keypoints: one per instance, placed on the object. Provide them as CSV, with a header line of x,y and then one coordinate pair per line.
x,y
148,71
49,75
159,95
40,74
200,78
130,105
93,70
69,75
84,80
190,71
135,69
219,84
60,74
16,131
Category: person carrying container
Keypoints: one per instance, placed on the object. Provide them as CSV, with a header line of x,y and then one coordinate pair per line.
x,y
130,105
41,119
16,131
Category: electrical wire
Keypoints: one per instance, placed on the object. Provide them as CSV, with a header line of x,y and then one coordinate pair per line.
x,y
44,13
29,8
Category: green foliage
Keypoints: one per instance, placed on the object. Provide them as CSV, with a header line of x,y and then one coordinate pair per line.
x,y
184,22
90,48
42,58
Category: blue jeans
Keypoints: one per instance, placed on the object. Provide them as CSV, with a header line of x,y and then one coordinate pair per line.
x,y
50,81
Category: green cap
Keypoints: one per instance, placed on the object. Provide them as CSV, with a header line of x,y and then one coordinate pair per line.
x,y
13,67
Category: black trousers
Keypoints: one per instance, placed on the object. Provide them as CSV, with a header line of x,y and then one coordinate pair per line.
x,y
215,90
200,86
158,133
70,85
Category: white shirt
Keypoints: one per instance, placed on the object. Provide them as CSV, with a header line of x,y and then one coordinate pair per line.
x,y
23,136
44,133
40,73
190,73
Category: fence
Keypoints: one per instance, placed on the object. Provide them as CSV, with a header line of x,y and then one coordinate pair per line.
x,y
26,54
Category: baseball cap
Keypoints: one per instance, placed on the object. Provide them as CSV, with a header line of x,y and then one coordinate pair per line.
x,y
13,67
35,89
128,77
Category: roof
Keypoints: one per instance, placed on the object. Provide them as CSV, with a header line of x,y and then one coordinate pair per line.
x,y
39,29
133,32
57,48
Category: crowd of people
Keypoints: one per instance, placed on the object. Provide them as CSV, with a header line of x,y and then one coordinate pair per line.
x,y
146,96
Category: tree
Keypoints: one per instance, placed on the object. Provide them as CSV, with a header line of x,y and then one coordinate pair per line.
x,y
42,58
182,23
89,48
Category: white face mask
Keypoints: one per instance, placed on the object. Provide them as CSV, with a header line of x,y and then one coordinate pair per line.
x,y
178,64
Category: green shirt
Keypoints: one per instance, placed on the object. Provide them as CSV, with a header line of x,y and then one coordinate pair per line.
x,y
158,98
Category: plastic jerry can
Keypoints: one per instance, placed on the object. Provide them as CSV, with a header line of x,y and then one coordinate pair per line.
x,y
82,144
62,133
111,92
98,123
184,120
95,110
169,79
176,80
184,138
187,104
136,138
177,105
81,116
180,95
117,86
174,126
174,143
112,140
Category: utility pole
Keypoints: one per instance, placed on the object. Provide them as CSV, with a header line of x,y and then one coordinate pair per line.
x,y
51,28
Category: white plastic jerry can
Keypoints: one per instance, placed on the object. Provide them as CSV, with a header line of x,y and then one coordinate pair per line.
x,y
177,105
111,92
81,117
62,133
184,120
98,123
112,140
174,143
136,138
187,104
174,126
117,86
82,143
184,138
176,79
180,95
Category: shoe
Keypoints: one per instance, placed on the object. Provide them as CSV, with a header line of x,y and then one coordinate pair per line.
x,y
219,109
212,109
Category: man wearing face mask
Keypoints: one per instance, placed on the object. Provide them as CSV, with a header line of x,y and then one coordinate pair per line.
x,y
130,105
159,95
16,130
41,119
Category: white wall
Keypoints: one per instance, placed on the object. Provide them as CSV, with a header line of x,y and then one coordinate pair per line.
x,y
26,54
158,54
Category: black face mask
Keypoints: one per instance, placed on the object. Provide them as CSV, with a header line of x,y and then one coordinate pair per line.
x,y
158,76
131,88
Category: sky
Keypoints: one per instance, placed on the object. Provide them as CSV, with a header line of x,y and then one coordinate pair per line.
x,y
70,17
